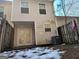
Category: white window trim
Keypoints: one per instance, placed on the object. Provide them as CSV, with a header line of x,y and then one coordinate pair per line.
x,y
42,4
24,2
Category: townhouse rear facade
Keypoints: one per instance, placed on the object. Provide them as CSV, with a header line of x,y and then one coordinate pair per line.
x,y
34,21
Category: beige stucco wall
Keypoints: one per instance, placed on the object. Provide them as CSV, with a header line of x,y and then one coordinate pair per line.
x,y
7,10
41,36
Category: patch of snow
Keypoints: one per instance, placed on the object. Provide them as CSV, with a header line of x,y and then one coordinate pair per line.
x,y
20,53
34,53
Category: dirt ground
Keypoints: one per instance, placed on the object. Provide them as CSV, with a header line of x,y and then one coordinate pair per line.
x,y
72,51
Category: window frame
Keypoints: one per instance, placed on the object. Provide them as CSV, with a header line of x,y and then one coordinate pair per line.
x,y
42,8
25,7
47,27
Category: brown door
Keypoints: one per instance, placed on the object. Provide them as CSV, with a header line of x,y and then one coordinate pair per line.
x,y
24,36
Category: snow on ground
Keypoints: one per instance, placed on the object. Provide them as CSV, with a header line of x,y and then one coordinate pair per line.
x,y
34,53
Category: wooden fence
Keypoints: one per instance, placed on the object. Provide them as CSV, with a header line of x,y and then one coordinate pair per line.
x,y
69,33
6,36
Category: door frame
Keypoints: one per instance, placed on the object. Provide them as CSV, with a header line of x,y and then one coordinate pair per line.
x,y
33,30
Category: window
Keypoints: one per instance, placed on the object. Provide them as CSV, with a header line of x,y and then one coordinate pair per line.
x,y
47,28
1,11
42,9
24,6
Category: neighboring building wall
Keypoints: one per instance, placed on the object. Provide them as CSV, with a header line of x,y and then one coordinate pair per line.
x,y
40,21
61,20
7,6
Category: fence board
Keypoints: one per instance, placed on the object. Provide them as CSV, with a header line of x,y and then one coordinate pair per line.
x,y
6,38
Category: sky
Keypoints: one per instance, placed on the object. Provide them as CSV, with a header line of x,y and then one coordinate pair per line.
x,y
69,10
5,0
9,0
